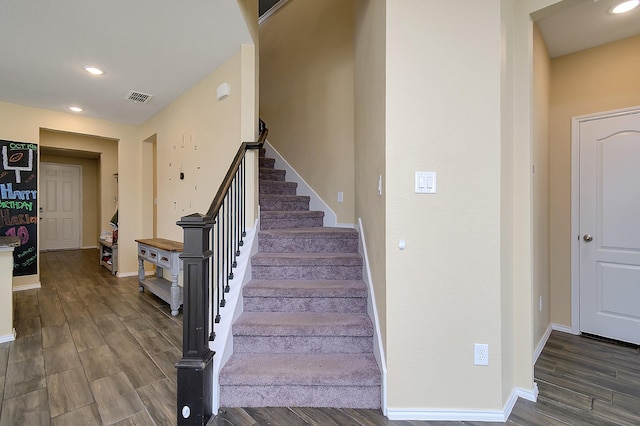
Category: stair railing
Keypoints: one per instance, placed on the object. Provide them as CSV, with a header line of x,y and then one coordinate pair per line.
x,y
208,262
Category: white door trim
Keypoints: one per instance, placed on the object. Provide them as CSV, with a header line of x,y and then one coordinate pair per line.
x,y
575,205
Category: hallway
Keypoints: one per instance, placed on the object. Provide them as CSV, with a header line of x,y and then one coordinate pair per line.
x,y
90,349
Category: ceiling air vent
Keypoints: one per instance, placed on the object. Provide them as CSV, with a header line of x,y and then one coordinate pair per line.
x,y
139,97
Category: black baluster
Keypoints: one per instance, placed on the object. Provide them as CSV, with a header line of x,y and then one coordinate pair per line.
x,y
229,247
218,257
244,200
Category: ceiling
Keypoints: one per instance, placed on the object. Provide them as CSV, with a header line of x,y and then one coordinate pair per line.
x,y
155,47
163,47
577,25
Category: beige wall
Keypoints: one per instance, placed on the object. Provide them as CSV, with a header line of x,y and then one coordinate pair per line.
x,y
518,193
370,55
90,195
306,94
600,79
107,165
507,287
204,121
25,124
466,274
541,92
444,289
198,136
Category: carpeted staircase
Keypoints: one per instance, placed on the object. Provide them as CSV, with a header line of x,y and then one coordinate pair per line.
x,y
305,338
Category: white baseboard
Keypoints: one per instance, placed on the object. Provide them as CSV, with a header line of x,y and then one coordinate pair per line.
x,y
541,343
447,415
129,274
88,247
529,395
316,203
9,337
564,329
24,287
372,310
426,414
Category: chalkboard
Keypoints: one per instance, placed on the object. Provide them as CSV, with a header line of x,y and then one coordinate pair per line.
x,y
19,203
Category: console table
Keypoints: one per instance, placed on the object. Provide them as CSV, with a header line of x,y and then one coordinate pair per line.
x,y
165,255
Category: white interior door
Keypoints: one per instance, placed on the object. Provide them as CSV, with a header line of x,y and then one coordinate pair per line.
x,y
60,208
610,227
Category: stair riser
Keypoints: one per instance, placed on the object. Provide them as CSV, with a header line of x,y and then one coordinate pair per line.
x,y
293,222
271,174
287,244
300,396
277,188
268,163
307,272
271,204
350,305
302,344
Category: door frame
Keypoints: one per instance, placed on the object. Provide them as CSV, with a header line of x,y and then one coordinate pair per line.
x,y
575,204
80,207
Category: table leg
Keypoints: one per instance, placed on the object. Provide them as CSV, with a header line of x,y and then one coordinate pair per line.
x,y
175,295
141,275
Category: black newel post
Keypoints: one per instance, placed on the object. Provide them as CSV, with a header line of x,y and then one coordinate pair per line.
x,y
195,369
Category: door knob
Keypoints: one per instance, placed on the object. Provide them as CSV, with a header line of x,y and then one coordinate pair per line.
x,y
588,238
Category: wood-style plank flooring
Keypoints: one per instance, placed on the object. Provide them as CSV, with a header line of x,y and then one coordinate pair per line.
x,y
90,350
581,381
93,350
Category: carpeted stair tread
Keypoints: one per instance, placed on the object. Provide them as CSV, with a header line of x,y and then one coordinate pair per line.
x,y
308,240
301,369
284,214
271,174
325,231
305,338
277,187
290,197
267,163
305,288
290,219
302,324
278,202
304,259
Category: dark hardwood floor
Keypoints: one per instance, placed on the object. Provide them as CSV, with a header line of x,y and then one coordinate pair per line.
x,y
93,350
90,350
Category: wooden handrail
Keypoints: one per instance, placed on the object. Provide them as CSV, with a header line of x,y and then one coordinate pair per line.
x,y
233,168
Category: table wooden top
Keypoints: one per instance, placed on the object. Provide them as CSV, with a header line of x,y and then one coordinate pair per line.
x,y
163,244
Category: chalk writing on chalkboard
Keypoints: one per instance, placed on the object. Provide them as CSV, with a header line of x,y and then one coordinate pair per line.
x,y
18,202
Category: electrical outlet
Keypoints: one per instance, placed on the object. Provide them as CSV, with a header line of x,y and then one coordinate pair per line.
x,y
340,197
481,354
540,304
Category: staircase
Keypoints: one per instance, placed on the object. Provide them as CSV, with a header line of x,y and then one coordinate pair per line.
x,y
304,339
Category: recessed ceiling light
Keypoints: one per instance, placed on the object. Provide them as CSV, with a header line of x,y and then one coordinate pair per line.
x,y
75,109
625,6
93,70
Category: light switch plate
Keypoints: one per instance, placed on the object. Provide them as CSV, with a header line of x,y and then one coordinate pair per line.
x,y
425,183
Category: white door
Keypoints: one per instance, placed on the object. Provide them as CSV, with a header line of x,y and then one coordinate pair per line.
x,y
60,209
610,227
